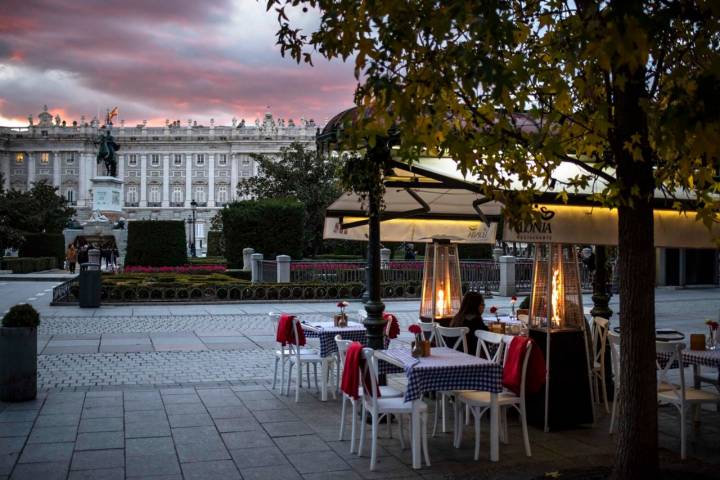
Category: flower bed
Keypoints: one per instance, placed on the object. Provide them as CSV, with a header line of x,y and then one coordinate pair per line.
x,y
179,269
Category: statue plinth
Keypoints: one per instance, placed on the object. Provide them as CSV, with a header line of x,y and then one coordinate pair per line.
x,y
107,196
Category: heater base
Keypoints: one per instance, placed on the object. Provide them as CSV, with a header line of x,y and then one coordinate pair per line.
x,y
569,398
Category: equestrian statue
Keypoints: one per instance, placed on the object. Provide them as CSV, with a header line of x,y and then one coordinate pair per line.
x,y
107,153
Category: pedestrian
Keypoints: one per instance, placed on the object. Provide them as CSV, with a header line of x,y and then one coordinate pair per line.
x,y
115,256
409,251
71,257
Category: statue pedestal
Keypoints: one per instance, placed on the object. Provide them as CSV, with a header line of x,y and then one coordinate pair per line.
x,y
107,197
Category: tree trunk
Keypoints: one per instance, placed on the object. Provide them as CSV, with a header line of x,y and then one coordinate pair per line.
x,y
636,452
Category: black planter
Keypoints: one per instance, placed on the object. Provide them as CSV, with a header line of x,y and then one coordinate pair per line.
x,y
18,364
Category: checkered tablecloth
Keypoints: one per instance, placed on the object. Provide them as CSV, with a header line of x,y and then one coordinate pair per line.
x,y
445,369
707,358
326,332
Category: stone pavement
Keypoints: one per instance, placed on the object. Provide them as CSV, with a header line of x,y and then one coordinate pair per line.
x,y
251,432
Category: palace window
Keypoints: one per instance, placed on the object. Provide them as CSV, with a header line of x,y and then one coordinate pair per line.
x,y
132,160
70,196
246,161
221,194
70,158
155,194
222,159
19,158
177,194
155,160
45,158
200,194
200,230
132,196
200,160
177,159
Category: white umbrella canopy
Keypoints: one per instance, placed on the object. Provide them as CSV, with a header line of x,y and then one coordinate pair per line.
x,y
432,198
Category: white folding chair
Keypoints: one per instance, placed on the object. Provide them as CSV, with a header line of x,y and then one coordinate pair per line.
x,y
681,396
599,340
378,406
455,338
385,392
282,353
614,340
479,403
428,330
296,357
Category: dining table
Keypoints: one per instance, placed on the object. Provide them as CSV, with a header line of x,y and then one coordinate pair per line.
x,y
699,359
444,369
325,332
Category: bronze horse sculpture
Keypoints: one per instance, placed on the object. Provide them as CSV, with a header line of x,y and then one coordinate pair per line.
x,y
107,153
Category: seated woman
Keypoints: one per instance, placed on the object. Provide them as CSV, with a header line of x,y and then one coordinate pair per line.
x,y
470,315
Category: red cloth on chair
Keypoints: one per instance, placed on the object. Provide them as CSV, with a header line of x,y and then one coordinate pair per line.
x,y
512,371
285,331
392,327
354,362
351,371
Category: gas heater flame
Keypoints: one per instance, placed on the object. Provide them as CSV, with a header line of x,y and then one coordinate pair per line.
x,y
440,303
555,298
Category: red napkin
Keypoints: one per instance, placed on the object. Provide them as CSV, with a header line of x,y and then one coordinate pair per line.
x,y
512,371
392,327
354,362
285,331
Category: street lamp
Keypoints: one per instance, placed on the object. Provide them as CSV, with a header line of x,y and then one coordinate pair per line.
x,y
193,206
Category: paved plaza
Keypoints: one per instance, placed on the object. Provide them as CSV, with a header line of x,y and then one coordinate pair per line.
x,y
185,392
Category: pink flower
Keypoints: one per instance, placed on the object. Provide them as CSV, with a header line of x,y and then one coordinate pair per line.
x,y
343,304
415,329
493,309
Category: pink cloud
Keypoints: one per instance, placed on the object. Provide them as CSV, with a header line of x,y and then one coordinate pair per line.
x,y
158,59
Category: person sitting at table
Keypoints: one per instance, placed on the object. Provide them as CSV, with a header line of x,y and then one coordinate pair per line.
x,y
470,315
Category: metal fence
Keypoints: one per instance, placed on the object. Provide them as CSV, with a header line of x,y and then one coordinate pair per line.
x,y
480,276
268,271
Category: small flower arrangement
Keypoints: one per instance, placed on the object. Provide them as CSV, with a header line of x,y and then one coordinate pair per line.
x,y
341,318
712,324
421,347
494,310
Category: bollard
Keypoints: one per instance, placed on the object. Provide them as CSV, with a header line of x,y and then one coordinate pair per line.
x,y
247,254
283,268
256,268
507,276
385,258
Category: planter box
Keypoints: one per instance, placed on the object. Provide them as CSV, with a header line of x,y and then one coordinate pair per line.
x,y
18,364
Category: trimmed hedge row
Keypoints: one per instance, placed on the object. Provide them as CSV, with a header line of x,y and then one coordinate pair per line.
x,y
156,243
272,227
44,245
28,264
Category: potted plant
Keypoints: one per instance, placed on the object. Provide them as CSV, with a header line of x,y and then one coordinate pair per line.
x,y
18,354
340,319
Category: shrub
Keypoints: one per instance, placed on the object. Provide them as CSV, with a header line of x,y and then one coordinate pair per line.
x,y
525,304
215,244
22,315
156,243
44,245
272,227
200,269
27,264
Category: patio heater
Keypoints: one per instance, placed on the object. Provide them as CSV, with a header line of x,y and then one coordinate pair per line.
x,y
557,324
441,288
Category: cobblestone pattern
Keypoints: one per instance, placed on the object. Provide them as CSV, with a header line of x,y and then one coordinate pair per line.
x,y
157,368
171,323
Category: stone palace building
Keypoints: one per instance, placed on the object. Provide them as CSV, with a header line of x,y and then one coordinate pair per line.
x,y
163,168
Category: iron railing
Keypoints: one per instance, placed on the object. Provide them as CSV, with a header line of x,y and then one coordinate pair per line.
x,y
66,293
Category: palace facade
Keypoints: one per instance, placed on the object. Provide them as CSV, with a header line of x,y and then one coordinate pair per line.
x,y
163,168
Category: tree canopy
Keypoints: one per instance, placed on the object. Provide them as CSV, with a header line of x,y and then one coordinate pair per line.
x,y
626,89
38,210
299,173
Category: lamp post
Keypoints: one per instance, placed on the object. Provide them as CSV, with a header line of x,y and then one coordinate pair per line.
x,y
193,250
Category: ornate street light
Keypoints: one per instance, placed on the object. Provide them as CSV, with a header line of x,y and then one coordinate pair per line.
x,y
193,250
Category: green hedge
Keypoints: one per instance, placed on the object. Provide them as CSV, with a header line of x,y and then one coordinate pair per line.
x,y
272,227
209,260
215,244
156,243
44,245
28,264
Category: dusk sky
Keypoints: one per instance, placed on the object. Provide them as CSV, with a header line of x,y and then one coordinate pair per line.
x,y
157,60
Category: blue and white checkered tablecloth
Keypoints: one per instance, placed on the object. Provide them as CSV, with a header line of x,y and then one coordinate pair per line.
x,y
326,332
707,358
444,370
